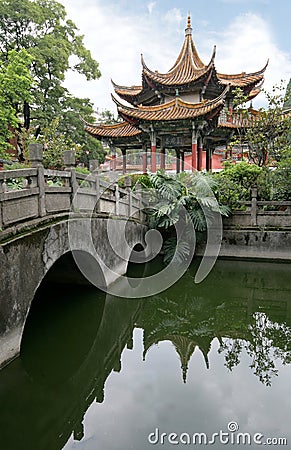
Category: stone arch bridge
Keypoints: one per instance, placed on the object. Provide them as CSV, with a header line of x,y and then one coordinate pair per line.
x,y
56,216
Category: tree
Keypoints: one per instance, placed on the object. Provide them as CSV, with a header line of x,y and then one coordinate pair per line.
x,y
235,182
266,131
54,145
287,98
42,29
15,88
71,126
106,116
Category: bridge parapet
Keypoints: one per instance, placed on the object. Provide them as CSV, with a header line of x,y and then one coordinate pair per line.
x,y
32,193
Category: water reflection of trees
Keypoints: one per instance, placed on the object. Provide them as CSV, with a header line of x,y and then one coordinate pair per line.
x,y
191,323
264,341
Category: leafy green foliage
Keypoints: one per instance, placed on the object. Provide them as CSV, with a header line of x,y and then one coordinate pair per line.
x,y
15,166
70,125
54,145
287,98
274,184
175,251
142,179
83,170
235,182
267,131
55,46
15,87
106,116
187,199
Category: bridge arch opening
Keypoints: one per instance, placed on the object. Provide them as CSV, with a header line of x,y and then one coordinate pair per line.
x,y
62,323
136,270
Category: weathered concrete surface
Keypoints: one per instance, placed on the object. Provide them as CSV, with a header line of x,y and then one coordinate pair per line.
x,y
26,259
243,219
255,244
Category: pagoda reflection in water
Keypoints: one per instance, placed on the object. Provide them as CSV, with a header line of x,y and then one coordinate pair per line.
x,y
244,311
44,397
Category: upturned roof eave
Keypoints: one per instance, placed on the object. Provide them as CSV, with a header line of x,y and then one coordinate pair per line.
x,y
243,79
173,110
119,130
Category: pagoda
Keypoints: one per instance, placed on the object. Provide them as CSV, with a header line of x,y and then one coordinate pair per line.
x,y
189,110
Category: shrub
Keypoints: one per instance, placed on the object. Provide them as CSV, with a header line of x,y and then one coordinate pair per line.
x,y
234,183
83,170
141,178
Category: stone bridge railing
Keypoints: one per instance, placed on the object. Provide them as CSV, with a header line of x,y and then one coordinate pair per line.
x,y
261,214
35,192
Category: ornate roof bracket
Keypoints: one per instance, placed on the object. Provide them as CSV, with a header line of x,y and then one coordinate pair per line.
x,y
150,84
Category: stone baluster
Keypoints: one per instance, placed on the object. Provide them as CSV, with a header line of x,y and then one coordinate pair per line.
x,y
36,157
70,162
138,192
98,192
127,185
254,207
3,186
117,197
94,165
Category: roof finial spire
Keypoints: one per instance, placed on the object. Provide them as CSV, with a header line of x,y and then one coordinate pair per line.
x,y
189,20
188,30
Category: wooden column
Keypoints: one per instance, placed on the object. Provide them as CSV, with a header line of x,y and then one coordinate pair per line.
x,y
113,157
178,156
162,156
123,160
194,162
200,150
182,161
209,159
144,158
153,151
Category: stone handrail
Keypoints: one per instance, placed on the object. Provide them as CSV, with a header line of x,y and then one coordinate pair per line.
x,y
261,213
31,193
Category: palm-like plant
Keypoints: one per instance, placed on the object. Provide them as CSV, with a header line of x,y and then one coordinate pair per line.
x,y
187,199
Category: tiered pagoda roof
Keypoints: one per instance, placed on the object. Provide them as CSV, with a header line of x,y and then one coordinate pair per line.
x,y
189,90
187,71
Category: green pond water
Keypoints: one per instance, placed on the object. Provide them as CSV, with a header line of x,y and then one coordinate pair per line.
x,y
192,367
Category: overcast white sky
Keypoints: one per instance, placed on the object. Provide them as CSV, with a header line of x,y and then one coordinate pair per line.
x,y
246,32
